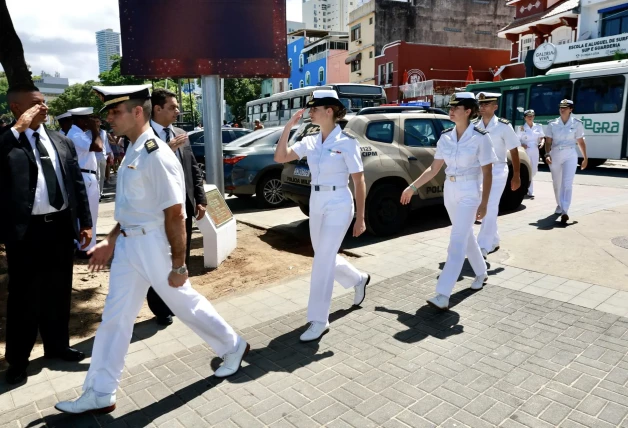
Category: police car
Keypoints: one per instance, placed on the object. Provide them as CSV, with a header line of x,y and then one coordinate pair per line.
x,y
396,148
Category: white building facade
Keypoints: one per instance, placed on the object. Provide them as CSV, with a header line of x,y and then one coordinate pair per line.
x,y
108,44
328,15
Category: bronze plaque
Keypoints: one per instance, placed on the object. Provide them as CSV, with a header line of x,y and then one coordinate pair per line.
x,y
217,208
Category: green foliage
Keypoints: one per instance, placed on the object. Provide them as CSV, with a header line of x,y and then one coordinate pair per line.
x,y
77,95
4,86
113,77
240,91
619,56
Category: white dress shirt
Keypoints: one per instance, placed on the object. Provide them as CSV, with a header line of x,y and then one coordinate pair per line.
x,y
467,156
530,136
331,161
159,130
41,204
503,137
565,134
82,143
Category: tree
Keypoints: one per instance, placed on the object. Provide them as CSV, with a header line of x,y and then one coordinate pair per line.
x,y
114,76
77,95
4,86
238,92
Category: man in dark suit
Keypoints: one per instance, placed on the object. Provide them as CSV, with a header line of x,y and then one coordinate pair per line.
x,y
42,195
165,112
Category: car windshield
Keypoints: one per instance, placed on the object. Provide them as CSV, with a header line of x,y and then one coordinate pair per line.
x,y
195,136
254,137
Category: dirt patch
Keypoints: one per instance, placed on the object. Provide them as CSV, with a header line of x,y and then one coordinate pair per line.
x,y
261,259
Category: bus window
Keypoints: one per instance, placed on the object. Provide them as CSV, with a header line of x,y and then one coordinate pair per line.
x,y
265,108
256,109
273,110
296,102
545,97
250,111
284,106
599,95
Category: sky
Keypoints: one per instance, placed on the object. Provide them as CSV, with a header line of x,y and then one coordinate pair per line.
x,y
63,39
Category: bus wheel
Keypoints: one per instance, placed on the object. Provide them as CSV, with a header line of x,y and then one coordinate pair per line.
x,y
511,200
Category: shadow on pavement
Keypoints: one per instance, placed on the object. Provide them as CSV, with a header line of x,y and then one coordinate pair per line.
x,y
426,322
551,222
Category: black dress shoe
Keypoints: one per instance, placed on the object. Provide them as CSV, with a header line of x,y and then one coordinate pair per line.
x,y
564,218
15,375
68,354
167,320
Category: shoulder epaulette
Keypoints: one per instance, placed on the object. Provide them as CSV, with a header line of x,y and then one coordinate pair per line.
x,y
476,120
502,120
577,120
151,145
349,134
480,130
448,130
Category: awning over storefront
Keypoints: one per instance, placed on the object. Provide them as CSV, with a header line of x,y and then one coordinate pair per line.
x,y
354,57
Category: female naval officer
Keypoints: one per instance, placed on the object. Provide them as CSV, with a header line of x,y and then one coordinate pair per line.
x,y
332,156
531,135
561,137
468,152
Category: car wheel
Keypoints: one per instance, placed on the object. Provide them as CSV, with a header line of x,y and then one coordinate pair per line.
x,y
511,200
305,209
268,191
384,213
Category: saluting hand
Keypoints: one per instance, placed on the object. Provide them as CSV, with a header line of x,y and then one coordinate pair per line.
x,y
100,255
295,118
25,120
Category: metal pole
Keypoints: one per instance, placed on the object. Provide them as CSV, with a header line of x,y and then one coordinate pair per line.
x,y
191,103
214,170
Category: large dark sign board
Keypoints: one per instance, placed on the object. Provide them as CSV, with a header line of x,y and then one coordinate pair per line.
x,y
187,38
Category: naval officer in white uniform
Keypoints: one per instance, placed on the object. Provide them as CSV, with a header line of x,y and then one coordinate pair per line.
x,y
504,140
149,242
86,138
332,156
561,137
531,135
468,153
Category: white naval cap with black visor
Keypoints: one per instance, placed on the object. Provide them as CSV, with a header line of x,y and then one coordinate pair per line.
x,y
111,96
324,97
487,97
65,115
81,111
466,99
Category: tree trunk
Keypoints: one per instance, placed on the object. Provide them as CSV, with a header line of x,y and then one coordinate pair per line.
x,y
11,51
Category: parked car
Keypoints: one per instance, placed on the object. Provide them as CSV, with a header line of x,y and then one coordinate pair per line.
x,y
251,170
197,141
396,149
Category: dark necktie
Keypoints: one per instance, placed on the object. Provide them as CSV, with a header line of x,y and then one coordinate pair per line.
x,y
55,197
167,131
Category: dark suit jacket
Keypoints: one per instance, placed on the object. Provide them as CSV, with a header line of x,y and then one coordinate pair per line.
x,y
18,180
194,189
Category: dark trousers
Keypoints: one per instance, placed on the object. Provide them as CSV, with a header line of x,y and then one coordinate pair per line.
x,y
157,306
40,287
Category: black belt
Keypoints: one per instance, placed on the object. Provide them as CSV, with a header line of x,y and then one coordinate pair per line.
x,y
52,217
88,171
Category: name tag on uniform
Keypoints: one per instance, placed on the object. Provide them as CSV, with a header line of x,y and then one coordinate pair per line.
x,y
131,166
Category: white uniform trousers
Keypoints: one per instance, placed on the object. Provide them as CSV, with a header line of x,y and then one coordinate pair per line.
x,y
93,196
102,167
462,200
331,213
563,169
488,238
139,262
533,154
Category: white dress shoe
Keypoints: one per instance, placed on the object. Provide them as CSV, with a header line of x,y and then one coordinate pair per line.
x,y
360,290
484,253
89,402
478,282
440,301
315,331
231,362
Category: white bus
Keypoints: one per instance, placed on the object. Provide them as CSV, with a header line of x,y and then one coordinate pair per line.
x,y
277,109
599,94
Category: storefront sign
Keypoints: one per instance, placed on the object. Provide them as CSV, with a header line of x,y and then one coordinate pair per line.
x,y
544,56
579,51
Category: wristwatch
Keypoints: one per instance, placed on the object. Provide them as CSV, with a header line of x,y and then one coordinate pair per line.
x,y
180,270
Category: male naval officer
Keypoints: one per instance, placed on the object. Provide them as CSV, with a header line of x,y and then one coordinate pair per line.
x,y
149,242
86,146
65,122
504,139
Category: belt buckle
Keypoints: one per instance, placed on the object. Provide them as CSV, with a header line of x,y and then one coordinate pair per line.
x,y
46,218
452,178
317,188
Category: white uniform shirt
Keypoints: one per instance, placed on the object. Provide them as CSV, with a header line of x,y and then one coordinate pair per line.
x,y
331,161
467,156
82,142
503,137
530,136
565,134
159,130
148,183
41,204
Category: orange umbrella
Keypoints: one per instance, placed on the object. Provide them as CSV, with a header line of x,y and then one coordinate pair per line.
x,y
470,78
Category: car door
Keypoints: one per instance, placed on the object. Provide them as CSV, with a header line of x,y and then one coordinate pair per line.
x,y
418,144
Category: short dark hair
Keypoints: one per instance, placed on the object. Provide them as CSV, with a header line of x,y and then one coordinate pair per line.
x,y
160,96
22,88
146,105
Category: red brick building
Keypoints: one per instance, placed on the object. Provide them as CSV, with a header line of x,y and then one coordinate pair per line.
x,y
443,67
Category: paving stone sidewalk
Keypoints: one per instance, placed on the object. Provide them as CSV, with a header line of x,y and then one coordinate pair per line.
x,y
499,357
